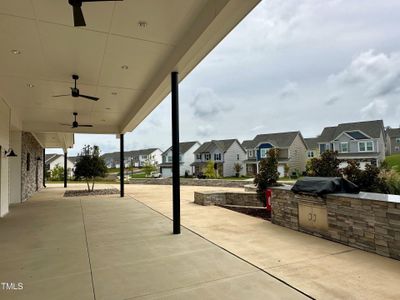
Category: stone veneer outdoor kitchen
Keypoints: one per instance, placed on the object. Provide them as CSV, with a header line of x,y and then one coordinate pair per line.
x,y
367,221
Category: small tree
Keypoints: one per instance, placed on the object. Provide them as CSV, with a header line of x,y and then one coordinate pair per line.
x,y
57,174
237,167
90,165
286,170
149,167
325,166
268,174
209,170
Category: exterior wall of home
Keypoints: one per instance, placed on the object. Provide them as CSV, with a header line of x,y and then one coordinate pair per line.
x,y
394,145
297,159
15,167
381,148
60,161
187,159
230,158
4,145
31,168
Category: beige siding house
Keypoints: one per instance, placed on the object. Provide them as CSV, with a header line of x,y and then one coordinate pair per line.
x,y
393,141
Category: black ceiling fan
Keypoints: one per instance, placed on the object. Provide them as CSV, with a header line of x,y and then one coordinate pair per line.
x,y
75,91
79,20
75,123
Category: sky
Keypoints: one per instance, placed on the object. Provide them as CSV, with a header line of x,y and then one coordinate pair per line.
x,y
289,65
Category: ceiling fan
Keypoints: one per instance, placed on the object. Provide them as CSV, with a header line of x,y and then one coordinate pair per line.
x,y
75,123
79,20
75,91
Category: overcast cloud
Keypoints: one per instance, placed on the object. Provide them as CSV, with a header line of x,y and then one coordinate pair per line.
x,y
290,65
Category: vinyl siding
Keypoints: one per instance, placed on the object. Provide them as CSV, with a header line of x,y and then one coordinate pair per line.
x,y
297,159
230,158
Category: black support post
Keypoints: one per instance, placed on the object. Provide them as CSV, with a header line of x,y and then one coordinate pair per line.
x,y
44,167
121,165
65,169
176,193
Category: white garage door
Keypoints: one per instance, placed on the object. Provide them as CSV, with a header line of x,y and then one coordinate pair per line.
x,y
281,170
166,172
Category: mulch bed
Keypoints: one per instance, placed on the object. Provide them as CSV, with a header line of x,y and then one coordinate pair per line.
x,y
258,213
99,192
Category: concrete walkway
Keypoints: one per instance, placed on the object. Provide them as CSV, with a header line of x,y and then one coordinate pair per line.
x,y
320,268
112,248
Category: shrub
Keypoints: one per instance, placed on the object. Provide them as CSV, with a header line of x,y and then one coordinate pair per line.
x,y
237,167
148,167
327,165
57,174
90,165
392,181
209,170
368,180
268,173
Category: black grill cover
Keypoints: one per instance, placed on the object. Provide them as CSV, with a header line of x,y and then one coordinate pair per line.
x,y
324,185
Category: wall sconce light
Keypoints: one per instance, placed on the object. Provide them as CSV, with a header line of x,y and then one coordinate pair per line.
x,y
10,153
38,159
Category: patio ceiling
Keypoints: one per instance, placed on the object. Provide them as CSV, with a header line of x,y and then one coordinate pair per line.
x,y
177,36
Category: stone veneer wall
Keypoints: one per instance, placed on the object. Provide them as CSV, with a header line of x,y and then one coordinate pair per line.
x,y
192,182
371,225
28,178
227,198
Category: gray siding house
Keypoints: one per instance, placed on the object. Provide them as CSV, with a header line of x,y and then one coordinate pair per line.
x,y
292,149
224,153
360,141
393,141
134,158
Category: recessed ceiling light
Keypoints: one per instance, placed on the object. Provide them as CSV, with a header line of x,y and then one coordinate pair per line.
x,y
30,85
103,120
124,67
108,108
142,24
114,93
15,51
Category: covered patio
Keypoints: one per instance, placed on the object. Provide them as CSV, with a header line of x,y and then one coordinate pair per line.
x,y
111,248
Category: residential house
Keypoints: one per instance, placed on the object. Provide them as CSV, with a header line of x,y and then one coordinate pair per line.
x,y
224,153
135,158
393,141
291,147
363,142
186,158
53,160
312,147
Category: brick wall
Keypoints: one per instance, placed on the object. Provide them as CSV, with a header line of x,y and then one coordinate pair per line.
x,y
192,182
368,224
32,176
227,198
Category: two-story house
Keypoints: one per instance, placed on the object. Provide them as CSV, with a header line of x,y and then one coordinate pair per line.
x,y
186,158
312,148
393,141
224,153
54,160
134,158
291,147
363,142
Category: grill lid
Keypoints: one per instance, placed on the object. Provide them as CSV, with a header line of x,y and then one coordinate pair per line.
x,y
324,185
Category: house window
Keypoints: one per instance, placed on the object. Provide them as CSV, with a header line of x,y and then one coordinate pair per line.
x,y
207,156
310,154
250,153
344,147
366,146
322,148
263,152
217,156
397,140
237,156
169,158
28,161
198,156
397,148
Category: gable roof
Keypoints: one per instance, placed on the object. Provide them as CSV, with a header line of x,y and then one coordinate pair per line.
x,y
371,128
393,132
223,145
278,139
311,143
49,158
248,144
183,147
115,155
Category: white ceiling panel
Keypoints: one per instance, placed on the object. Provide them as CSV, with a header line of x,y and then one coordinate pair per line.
x,y
21,8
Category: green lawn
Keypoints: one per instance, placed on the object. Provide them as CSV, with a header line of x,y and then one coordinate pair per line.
x,y
234,178
138,175
394,161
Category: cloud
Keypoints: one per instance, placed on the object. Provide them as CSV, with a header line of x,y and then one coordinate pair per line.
x,y
205,131
257,128
290,89
332,100
376,109
207,105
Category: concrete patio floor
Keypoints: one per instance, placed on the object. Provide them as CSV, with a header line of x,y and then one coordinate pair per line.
x,y
318,267
106,247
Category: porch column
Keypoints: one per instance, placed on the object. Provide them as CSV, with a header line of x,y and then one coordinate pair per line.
x,y
176,194
121,165
44,167
65,169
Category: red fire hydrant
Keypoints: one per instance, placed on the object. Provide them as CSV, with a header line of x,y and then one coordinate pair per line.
x,y
268,194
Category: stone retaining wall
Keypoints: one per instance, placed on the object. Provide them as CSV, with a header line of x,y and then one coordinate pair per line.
x,y
191,182
366,221
227,198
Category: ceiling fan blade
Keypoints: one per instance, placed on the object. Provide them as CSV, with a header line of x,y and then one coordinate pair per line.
x,y
100,0
85,125
66,95
89,97
64,124
79,20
